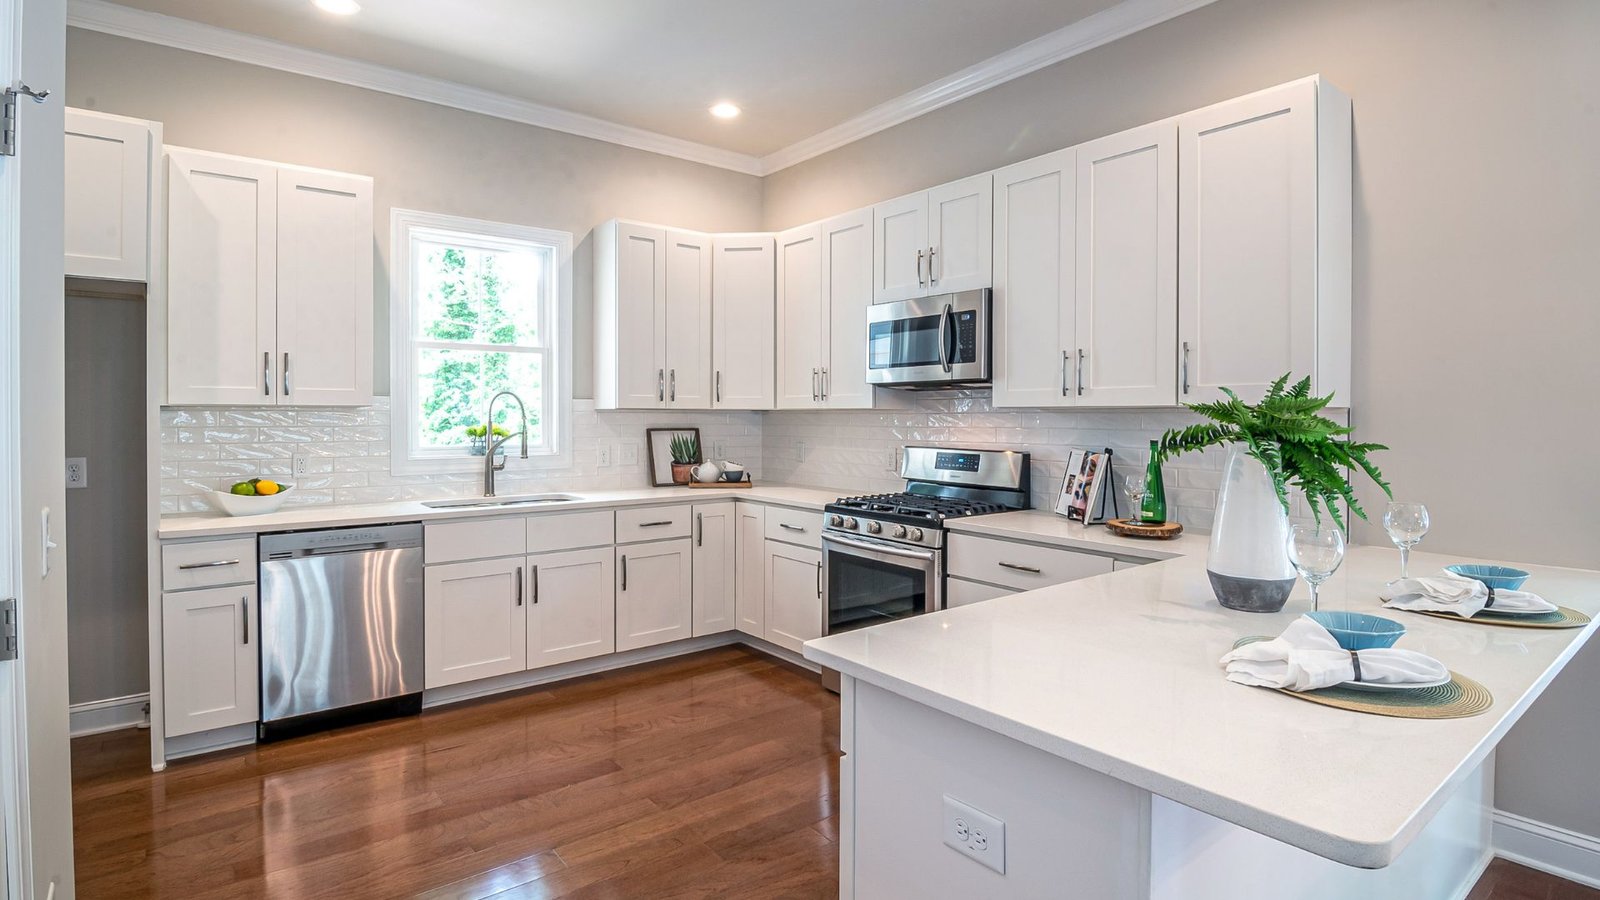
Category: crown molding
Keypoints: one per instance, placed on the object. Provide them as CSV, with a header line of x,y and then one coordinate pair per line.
x,y
183,34
1080,37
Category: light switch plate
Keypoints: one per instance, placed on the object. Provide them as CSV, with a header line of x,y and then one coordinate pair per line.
x,y
975,834
77,472
628,455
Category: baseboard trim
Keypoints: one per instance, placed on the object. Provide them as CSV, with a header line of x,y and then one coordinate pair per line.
x,y
1548,848
1482,865
111,714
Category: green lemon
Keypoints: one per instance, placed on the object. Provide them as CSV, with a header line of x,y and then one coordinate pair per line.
x,y
244,489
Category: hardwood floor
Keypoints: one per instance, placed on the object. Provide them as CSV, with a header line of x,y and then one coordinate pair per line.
x,y
712,775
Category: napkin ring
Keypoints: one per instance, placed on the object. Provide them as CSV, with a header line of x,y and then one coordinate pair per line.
x,y
1491,598
1355,662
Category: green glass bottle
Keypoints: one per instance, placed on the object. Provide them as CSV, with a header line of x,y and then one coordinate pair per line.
x,y
1153,508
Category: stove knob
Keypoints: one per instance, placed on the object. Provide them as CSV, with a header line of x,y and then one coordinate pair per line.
x,y
899,531
849,523
874,527
916,535
835,521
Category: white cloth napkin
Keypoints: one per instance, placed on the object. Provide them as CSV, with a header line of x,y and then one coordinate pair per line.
x,y
1466,597
1306,657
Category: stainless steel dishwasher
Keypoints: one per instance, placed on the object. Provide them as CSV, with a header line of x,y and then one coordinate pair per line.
x,y
341,627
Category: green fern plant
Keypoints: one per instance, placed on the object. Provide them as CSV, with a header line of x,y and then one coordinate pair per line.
x,y
1284,432
684,448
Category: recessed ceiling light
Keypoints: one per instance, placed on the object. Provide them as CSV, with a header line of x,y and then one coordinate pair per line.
x,y
338,7
724,110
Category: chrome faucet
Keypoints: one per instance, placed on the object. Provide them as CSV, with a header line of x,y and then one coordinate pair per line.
x,y
491,445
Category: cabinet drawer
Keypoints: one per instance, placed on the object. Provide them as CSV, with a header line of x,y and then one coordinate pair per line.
x,y
477,539
208,563
960,592
652,523
571,531
794,526
1020,566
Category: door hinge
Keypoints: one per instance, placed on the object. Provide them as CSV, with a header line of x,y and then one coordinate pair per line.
x,y
8,115
8,629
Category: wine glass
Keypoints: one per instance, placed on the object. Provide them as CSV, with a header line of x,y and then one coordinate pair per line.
x,y
1316,553
1406,524
1133,482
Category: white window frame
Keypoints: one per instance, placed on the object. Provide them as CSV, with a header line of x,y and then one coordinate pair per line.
x,y
404,457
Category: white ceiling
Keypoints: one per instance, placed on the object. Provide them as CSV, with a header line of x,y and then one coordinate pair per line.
x,y
797,68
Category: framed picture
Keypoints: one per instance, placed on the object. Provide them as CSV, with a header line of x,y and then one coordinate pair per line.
x,y
659,441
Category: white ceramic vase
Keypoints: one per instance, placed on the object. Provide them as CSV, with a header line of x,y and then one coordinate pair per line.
x,y
1248,561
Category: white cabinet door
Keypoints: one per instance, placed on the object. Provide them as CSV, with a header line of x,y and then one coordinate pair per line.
x,y
210,671
475,621
571,606
222,279
1127,259
750,589
688,320
1247,242
1035,278
900,248
800,318
846,294
794,595
108,196
961,235
743,322
714,567
325,299
630,308
654,593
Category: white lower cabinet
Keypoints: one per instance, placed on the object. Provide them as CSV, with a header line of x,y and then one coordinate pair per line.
x,y
475,621
571,606
210,672
750,568
794,595
654,593
714,567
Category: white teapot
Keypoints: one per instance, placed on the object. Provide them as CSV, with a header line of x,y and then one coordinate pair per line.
x,y
706,471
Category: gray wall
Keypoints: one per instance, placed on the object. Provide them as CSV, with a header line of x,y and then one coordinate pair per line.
x,y
1476,319
420,156
107,640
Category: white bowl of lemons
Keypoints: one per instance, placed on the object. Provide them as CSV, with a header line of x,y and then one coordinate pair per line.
x,y
256,497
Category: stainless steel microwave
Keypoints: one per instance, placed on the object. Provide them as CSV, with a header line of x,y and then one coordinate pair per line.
x,y
930,342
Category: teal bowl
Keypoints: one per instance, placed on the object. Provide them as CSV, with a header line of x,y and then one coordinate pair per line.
x,y
1501,578
1359,631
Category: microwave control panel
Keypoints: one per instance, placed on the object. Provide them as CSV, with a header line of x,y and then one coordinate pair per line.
x,y
966,337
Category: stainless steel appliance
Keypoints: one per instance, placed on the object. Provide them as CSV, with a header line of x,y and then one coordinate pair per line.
x,y
341,626
930,342
883,555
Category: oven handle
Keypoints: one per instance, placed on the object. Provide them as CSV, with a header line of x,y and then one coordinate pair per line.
x,y
927,556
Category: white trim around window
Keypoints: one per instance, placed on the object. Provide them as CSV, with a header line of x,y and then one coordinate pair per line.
x,y
405,456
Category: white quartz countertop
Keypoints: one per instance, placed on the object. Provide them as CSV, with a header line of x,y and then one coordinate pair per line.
x,y
1119,674
300,517
1043,527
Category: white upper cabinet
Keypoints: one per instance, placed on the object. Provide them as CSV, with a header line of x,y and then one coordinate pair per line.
x,y
324,288
1035,280
801,318
107,211
1127,280
688,319
630,309
743,329
269,295
846,294
934,242
222,279
1264,242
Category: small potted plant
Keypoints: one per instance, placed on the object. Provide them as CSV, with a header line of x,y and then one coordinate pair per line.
x,y
685,450
479,442
1275,446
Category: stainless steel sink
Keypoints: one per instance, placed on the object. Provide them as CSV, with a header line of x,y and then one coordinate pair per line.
x,y
485,502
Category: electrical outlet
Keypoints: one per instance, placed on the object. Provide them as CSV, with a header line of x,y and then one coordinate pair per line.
x,y
894,460
628,455
800,449
602,456
975,834
77,472
301,466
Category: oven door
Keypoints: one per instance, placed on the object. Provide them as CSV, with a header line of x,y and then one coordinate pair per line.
x,y
867,582
929,340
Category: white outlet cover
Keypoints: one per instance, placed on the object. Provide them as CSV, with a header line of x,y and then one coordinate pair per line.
x,y
77,472
603,457
628,455
974,833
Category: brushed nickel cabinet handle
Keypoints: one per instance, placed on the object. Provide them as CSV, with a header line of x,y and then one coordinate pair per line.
x,y
719,385
1080,372
931,278
266,373
244,618
661,385
210,565
819,580
535,576
1064,391
824,384
920,282
655,524
816,393
700,529
787,527
672,382
1019,567
1186,367
624,572
286,374
519,585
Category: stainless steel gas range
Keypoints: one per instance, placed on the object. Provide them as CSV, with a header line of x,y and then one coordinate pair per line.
x,y
883,555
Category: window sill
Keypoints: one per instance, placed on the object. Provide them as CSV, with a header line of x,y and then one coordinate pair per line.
x,y
455,465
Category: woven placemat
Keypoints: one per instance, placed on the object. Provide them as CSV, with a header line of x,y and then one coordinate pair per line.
x,y
1563,617
1458,699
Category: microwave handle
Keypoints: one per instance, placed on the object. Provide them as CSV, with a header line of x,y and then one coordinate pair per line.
x,y
945,330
